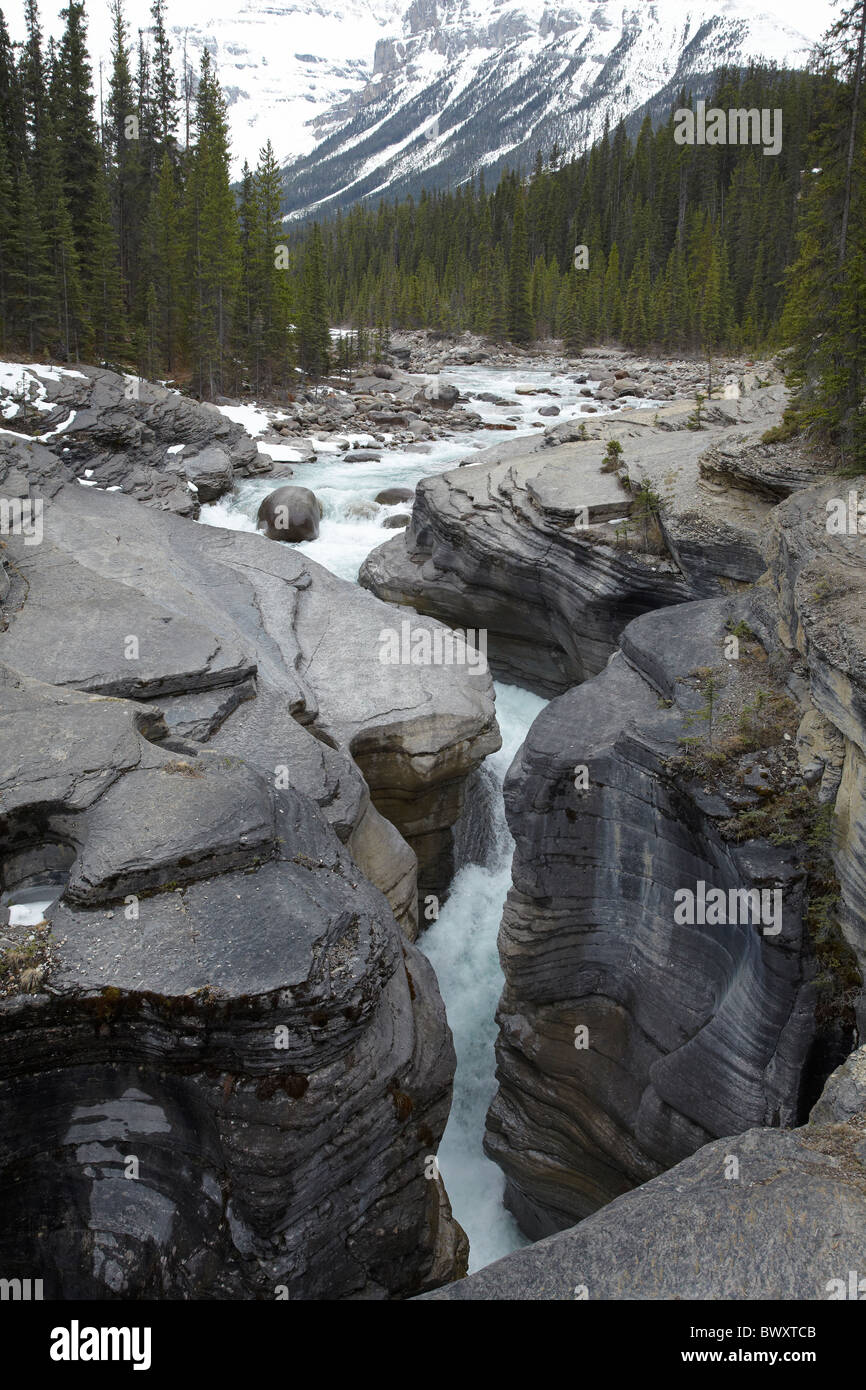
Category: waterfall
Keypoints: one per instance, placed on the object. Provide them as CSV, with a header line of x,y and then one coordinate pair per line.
x,y
462,947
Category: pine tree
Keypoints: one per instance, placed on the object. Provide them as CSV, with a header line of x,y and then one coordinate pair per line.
x,y
612,310
212,238
104,284
6,243
519,308
313,329
30,280
164,83
123,142
163,257
32,75
497,326
271,281
12,111
824,312
70,315
572,334
72,106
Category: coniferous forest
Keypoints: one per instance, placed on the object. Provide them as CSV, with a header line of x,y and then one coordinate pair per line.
x,y
124,239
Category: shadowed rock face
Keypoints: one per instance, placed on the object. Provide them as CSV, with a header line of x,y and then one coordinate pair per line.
x,y
786,1224
816,577
196,729
694,1030
231,1075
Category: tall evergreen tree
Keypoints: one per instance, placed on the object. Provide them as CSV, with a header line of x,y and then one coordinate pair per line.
x,y
519,307
122,138
72,106
163,265
212,238
825,311
314,340
165,100
31,287
103,278
572,332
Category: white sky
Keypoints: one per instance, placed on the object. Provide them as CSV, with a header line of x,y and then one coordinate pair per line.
x,y
811,17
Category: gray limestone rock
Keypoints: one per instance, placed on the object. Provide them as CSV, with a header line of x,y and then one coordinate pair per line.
x,y
786,1223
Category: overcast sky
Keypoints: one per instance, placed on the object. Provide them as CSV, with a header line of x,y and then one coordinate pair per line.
x,y
811,17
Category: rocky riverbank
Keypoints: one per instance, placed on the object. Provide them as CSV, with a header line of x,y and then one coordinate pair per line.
x,y
220,1036
769,1214
225,1065
718,739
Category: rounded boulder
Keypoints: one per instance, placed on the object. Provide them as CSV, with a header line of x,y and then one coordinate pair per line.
x,y
290,514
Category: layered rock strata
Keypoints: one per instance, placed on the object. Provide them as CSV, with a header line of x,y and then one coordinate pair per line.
x,y
225,1066
535,542
769,1214
628,1039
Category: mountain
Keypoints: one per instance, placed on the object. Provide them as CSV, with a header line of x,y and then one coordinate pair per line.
x,y
364,97
469,85
279,64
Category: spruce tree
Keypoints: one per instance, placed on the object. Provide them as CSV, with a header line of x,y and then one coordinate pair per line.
x,y
165,98
31,287
12,112
123,143
72,106
824,313
519,308
313,329
32,75
104,284
71,323
164,260
212,239
572,334
6,243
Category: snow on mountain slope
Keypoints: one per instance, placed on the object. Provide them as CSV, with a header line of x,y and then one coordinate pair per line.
x,y
471,85
280,64
361,97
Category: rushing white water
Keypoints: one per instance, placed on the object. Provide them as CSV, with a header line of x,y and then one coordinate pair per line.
x,y
462,947
352,521
462,944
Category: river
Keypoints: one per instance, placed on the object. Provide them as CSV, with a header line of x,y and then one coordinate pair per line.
x,y
462,943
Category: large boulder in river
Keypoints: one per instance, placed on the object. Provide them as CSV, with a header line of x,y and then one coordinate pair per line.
x,y
390,496
290,514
